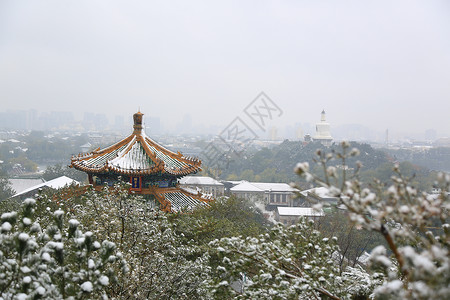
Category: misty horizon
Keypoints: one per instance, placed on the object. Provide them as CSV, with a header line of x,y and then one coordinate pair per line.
x,y
383,65
33,120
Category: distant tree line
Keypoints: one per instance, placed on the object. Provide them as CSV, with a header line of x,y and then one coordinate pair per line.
x,y
437,159
275,164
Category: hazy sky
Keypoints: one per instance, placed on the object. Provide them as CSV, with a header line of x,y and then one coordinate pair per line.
x,y
383,64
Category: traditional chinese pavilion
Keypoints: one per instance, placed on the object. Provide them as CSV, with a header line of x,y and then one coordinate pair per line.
x,y
150,168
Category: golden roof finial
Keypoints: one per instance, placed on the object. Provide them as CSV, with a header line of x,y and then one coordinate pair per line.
x,y
137,118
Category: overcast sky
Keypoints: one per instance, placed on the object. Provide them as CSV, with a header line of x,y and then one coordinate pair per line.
x,y
383,64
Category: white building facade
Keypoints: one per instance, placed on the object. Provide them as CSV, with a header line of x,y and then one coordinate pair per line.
x,y
205,184
291,215
271,194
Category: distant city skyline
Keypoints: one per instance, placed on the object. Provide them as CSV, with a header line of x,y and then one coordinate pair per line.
x,y
90,121
381,64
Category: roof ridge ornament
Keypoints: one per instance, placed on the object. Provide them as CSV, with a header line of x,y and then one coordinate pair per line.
x,y
137,118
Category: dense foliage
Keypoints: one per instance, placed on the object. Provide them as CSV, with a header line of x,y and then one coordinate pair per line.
x,y
5,186
296,262
419,177
353,241
226,217
163,265
275,164
52,149
36,147
59,261
415,226
434,158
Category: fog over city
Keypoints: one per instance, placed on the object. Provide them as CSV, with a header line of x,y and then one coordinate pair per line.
x,y
381,64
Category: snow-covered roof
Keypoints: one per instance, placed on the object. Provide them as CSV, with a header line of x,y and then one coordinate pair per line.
x,y
267,187
299,211
21,184
246,187
321,192
176,200
201,180
236,182
189,190
60,182
274,187
56,183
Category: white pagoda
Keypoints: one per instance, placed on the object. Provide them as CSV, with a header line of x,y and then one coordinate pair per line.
x,y
323,134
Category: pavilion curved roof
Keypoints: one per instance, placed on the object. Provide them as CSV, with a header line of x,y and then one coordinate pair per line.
x,y
177,200
136,155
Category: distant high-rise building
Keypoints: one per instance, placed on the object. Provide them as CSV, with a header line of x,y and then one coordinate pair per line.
x,y
57,119
323,134
386,138
273,133
430,134
299,133
92,121
31,119
185,126
14,119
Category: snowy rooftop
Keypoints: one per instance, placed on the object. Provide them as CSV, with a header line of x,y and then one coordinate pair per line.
x,y
246,186
180,200
299,211
202,180
189,190
56,183
21,184
321,192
